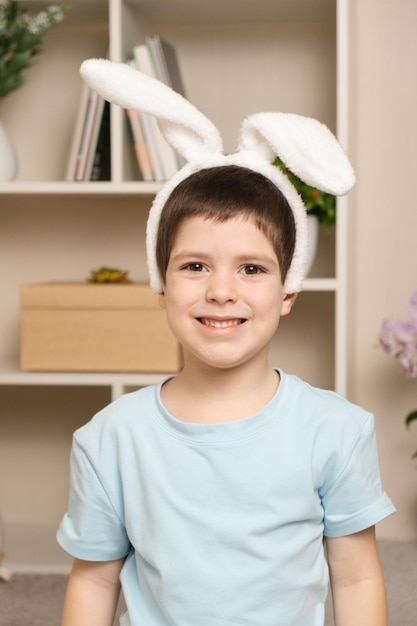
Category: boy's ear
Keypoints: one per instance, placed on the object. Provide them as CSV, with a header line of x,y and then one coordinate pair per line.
x,y
288,302
161,298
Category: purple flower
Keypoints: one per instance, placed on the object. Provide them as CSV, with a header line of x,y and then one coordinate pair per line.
x,y
399,339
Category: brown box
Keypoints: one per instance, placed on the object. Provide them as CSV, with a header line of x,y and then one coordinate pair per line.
x,y
95,327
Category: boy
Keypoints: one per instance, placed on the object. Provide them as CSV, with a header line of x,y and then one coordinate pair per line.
x,y
214,495
210,494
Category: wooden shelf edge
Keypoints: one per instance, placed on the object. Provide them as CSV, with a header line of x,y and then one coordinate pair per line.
x,y
70,188
10,374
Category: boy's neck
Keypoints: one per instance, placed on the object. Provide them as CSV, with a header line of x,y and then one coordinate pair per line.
x,y
211,395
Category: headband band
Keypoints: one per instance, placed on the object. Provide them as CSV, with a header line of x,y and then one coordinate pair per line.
x,y
306,146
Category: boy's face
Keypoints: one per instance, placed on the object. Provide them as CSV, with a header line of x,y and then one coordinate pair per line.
x,y
223,293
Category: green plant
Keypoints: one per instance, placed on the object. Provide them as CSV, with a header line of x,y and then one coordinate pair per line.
x,y
316,202
21,35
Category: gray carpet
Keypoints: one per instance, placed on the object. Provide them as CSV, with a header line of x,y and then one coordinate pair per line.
x,y
36,600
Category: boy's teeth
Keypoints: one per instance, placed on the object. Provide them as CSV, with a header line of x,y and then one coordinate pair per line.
x,y
220,323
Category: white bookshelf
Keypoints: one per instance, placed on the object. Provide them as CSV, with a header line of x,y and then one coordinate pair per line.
x,y
57,230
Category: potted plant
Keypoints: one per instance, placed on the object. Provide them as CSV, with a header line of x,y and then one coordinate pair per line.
x,y
399,340
320,207
21,35
317,202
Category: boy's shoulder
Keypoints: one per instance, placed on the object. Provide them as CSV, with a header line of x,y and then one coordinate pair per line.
x,y
120,416
331,427
322,405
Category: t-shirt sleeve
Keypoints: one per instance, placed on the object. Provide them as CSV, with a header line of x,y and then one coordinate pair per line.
x,y
354,499
92,528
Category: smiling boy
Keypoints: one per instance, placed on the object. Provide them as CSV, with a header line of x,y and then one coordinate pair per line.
x,y
215,494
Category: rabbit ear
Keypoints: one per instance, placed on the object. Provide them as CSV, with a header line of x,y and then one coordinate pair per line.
x,y
306,146
182,124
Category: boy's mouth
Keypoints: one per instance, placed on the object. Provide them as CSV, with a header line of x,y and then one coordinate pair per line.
x,y
220,323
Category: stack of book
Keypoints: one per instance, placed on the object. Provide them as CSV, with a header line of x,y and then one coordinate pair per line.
x,y
157,161
89,158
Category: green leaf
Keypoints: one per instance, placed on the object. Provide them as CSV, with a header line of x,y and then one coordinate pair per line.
x,y
21,36
411,417
316,202
10,84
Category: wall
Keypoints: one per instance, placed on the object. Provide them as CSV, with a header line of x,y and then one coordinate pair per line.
x,y
269,59
383,227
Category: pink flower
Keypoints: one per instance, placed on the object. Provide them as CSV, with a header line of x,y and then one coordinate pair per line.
x,y
388,339
408,362
399,339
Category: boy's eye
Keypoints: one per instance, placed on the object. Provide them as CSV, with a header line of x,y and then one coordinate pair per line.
x,y
252,269
194,267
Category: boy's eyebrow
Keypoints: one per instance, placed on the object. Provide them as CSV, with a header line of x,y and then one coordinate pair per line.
x,y
185,254
241,258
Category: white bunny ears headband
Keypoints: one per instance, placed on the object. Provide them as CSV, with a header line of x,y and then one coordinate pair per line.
x,y
306,146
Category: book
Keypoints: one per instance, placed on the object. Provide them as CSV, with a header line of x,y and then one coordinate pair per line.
x,y
141,148
85,136
83,108
81,160
144,142
165,62
92,136
167,70
101,167
163,157
86,133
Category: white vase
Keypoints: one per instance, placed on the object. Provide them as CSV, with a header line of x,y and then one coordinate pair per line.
x,y
313,237
8,163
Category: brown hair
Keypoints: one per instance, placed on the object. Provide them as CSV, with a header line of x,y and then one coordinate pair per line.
x,y
221,193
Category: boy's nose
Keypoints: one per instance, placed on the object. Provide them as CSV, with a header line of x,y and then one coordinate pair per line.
x,y
221,288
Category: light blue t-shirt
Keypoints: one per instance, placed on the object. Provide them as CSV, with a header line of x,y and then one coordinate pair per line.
x,y
223,524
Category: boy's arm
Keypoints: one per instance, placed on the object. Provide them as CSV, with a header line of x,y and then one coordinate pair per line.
x,y
92,593
356,580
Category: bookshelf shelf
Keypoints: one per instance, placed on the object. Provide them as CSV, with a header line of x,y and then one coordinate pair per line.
x,y
53,229
118,382
46,188
209,42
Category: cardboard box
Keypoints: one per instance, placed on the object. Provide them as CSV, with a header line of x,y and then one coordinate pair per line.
x,y
95,327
